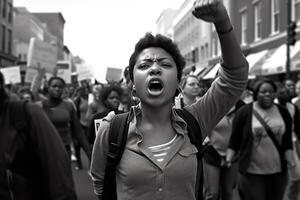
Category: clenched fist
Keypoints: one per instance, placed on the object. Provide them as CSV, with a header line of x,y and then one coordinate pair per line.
x,y
210,10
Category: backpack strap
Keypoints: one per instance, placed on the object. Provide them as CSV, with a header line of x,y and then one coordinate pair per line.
x,y
118,132
195,135
194,131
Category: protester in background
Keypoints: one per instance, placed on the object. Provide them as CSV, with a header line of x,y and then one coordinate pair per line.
x,y
127,99
261,136
111,99
159,161
25,94
10,91
34,163
190,91
204,85
81,104
95,105
290,86
293,186
296,100
63,115
220,178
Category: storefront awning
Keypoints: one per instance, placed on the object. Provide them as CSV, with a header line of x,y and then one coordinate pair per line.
x,y
211,74
253,60
198,71
256,69
276,63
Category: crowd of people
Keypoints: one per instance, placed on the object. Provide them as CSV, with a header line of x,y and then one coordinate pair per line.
x,y
250,129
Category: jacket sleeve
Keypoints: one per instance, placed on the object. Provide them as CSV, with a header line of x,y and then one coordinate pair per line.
x,y
287,137
91,131
221,96
52,155
238,124
77,131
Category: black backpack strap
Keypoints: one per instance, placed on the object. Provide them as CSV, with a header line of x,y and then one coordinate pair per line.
x,y
195,135
117,140
193,128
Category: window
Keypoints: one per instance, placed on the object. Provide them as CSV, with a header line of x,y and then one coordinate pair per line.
x,y
3,38
10,12
296,10
244,27
197,54
257,21
206,50
214,47
9,44
202,53
4,8
275,16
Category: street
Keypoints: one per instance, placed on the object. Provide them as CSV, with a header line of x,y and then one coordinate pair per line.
x,y
83,183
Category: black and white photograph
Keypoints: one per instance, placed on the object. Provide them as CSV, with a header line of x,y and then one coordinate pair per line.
x,y
150,100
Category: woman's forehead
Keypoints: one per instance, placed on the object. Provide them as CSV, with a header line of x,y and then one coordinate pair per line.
x,y
192,79
154,53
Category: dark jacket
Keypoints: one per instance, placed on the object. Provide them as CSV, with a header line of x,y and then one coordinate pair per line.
x,y
241,140
40,168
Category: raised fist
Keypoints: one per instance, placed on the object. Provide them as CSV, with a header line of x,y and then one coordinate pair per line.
x,y
210,10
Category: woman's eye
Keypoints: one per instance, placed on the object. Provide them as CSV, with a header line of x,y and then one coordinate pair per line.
x,y
166,64
143,65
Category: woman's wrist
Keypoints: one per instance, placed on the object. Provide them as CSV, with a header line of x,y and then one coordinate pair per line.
x,y
223,26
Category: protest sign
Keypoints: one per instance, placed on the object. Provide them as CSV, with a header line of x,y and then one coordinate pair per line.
x,y
113,74
30,75
11,74
41,54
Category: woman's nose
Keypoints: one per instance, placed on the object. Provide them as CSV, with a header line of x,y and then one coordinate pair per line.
x,y
155,69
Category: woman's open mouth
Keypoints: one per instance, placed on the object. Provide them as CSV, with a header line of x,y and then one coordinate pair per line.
x,y
155,87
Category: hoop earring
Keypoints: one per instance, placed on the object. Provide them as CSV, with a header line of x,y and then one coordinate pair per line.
x,y
133,91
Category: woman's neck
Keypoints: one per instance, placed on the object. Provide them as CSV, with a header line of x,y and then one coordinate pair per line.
x,y
188,100
263,107
54,101
156,115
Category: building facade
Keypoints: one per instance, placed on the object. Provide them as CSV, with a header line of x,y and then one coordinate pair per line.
x,y
164,22
197,39
192,37
6,33
55,23
27,26
262,31
260,27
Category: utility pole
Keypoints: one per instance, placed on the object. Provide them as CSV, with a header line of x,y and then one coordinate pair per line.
x,y
291,38
287,42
